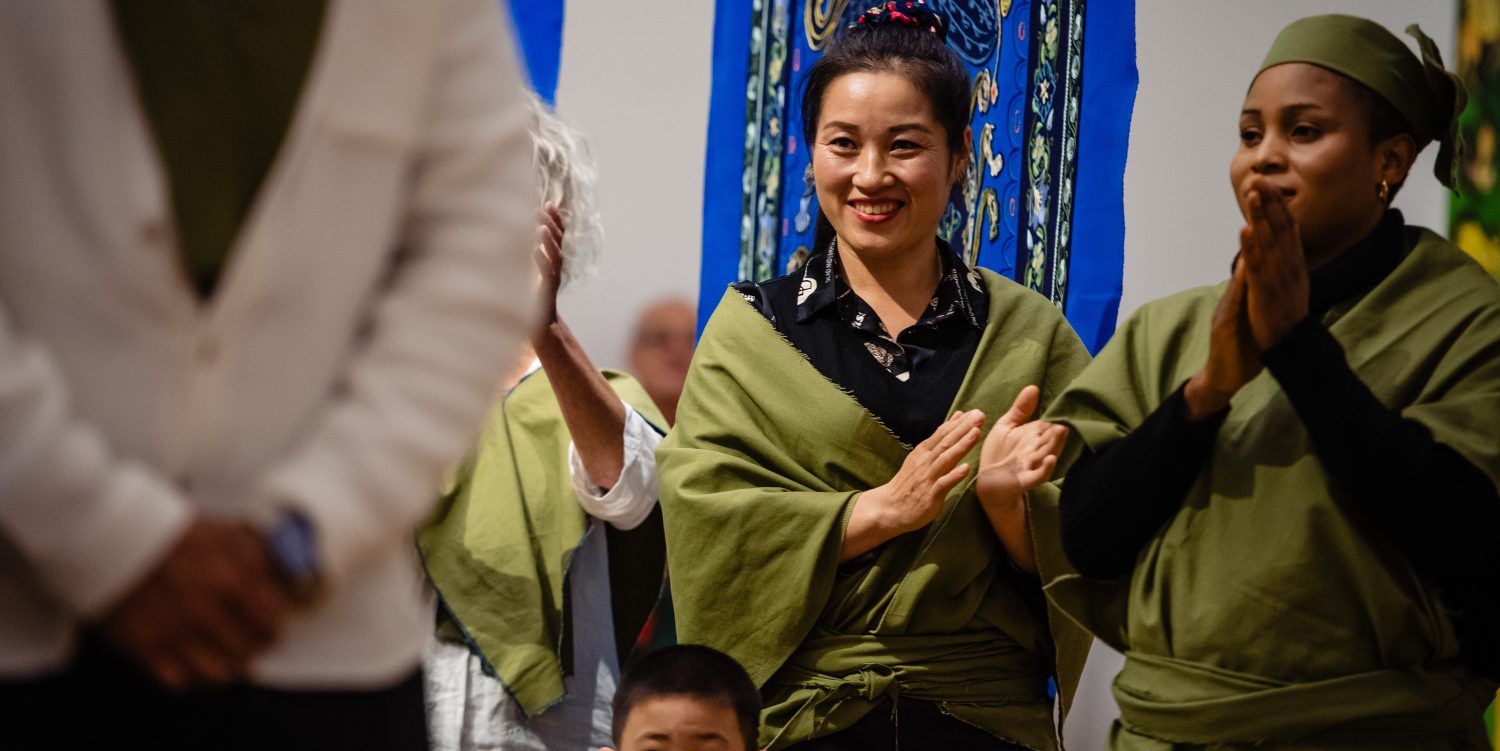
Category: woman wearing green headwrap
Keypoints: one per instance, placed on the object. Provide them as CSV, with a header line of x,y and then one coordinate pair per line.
x,y
1286,512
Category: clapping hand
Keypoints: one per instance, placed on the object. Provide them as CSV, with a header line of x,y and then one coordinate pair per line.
x,y
1267,297
913,498
1275,268
1018,455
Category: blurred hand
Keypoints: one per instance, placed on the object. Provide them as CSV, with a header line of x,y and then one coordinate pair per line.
x,y
1275,268
205,610
1233,356
912,499
1019,453
549,262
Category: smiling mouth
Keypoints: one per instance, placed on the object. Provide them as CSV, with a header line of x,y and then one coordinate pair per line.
x,y
875,208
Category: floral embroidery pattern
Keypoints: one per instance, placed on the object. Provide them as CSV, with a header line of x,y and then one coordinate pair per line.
x,y
765,136
1052,146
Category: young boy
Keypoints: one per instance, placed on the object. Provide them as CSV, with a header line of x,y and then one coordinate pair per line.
x,y
686,698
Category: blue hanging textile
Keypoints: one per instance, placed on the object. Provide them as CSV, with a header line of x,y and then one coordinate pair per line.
x,y
539,27
1039,135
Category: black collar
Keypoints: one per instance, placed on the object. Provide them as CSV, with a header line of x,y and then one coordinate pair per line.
x,y
1361,267
960,292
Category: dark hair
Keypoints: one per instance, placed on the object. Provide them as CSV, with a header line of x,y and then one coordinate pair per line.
x,y
914,52
689,670
1382,119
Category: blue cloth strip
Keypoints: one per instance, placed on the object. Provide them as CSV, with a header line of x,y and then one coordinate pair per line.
x,y
1110,79
539,29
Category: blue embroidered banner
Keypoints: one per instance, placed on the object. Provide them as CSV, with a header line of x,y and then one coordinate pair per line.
x,y
1039,128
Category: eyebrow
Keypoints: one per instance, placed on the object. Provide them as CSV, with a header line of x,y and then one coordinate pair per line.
x,y
659,735
900,128
1293,109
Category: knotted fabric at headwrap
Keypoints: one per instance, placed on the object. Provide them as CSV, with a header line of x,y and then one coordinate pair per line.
x,y
1422,90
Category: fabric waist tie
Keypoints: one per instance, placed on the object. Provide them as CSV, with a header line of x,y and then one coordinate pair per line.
x,y
834,680
1187,702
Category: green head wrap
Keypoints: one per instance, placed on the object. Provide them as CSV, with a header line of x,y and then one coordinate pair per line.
x,y
1423,91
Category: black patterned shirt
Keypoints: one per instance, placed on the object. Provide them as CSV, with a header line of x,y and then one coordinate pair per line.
x,y
960,298
909,380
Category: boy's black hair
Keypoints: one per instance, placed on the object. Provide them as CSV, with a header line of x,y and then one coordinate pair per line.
x,y
689,670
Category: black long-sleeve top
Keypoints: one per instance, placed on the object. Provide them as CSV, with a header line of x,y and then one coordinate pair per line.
x,y
1118,496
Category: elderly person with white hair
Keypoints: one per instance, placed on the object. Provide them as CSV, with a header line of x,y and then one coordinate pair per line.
x,y
547,551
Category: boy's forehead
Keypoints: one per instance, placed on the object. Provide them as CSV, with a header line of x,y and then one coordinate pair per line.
x,y
677,722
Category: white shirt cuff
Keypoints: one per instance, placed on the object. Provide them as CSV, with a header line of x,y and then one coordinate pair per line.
x,y
630,501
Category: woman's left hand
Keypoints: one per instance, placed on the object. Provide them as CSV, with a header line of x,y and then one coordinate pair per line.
x,y
1275,268
1018,455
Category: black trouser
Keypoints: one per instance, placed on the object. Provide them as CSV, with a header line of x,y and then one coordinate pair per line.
x,y
920,725
104,701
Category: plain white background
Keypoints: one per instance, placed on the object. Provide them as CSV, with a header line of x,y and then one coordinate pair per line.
x,y
637,82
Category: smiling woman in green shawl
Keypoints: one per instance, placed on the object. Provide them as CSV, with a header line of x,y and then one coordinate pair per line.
x,y
824,526
1286,513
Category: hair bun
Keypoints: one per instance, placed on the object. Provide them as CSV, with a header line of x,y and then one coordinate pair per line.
x,y
907,13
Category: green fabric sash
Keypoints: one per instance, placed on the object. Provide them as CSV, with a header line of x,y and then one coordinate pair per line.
x,y
499,545
1262,613
758,478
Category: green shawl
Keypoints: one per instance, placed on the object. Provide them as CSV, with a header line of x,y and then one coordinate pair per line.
x,y
758,479
499,545
1262,614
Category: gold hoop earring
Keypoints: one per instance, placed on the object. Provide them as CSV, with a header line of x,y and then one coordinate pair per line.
x,y
1385,192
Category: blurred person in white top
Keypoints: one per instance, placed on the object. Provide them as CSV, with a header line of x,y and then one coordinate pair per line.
x,y
207,501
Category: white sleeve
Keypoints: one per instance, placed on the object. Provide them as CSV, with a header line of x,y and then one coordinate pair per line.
x,y
630,500
458,304
89,522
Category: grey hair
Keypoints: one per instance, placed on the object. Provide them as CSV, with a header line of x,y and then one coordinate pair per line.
x,y
566,176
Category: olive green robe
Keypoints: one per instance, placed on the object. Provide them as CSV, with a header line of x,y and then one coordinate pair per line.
x,y
1262,614
499,545
758,479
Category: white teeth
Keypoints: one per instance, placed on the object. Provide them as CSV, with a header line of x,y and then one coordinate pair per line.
x,y
875,209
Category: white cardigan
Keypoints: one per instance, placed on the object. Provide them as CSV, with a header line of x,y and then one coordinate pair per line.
x,y
377,289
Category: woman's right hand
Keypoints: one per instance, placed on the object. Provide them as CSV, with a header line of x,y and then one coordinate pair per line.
x,y
549,263
1233,356
912,499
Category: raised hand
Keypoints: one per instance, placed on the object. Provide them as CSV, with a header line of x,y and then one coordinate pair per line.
x,y
1275,268
205,610
912,499
1018,455
549,260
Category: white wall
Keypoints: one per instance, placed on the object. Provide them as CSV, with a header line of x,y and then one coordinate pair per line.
x,y
635,79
